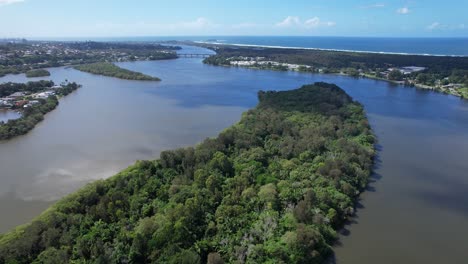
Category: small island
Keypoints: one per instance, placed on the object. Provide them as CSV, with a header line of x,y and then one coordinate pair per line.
x,y
33,100
112,70
37,73
273,188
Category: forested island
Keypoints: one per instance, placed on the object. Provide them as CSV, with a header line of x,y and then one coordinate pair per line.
x,y
273,188
25,56
37,73
112,70
447,74
33,100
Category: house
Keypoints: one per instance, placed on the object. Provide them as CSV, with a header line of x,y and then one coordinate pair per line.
x,y
452,86
17,94
43,95
410,69
21,103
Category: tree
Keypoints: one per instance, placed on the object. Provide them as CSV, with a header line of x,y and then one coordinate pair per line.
x,y
395,75
215,258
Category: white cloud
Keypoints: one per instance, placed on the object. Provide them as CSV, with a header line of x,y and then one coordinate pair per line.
x,y
433,26
294,21
445,27
198,23
312,23
289,21
376,5
8,2
403,10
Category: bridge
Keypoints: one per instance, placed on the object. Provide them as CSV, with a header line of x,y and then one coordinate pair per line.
x,y
193,55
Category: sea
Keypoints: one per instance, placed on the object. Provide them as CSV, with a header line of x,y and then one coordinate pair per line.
x,y
420,46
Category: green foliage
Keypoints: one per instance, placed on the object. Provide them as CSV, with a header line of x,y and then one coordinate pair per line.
x,y
37,73
33,114
271,189
395,75
112,70
33,87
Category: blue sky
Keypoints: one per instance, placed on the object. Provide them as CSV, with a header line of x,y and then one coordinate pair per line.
x,y
115,18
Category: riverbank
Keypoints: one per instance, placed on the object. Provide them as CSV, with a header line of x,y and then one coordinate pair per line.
x,y
33,100
34,56
439,73
185,187
56,158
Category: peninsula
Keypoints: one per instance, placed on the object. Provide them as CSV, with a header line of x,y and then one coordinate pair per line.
x,y
33,100
273,188
112,70
37,73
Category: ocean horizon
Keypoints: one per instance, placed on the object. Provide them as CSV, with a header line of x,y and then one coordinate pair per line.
x,y
397,45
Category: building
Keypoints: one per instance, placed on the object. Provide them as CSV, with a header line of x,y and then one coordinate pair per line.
x,y
452,86
21,103
43,95
411,69
17,94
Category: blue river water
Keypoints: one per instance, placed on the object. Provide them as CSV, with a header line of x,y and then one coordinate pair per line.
x,y
415,209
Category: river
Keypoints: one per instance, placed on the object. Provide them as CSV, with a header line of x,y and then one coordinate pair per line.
x,y
415,209
6,114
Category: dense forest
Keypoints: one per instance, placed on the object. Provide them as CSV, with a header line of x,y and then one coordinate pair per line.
x,y
273,188
37,73
35,113
112,70
341,59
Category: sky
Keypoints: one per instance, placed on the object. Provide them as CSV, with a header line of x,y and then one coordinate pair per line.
x,y
128,18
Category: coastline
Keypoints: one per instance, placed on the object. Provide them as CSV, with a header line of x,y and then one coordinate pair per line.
x,y
322,49
406,80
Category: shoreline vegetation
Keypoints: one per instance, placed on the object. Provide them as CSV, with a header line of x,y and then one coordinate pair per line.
x,y
25,56
37,73
273,188
112,70
33,100
445,74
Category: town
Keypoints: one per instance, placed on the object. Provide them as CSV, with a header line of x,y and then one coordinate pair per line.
x,y
23,55
32,100
18,100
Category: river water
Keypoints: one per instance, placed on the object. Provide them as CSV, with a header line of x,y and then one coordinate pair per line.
x,y
6,114
414,211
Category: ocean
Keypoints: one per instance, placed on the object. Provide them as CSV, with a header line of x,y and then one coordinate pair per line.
x,y
422,46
